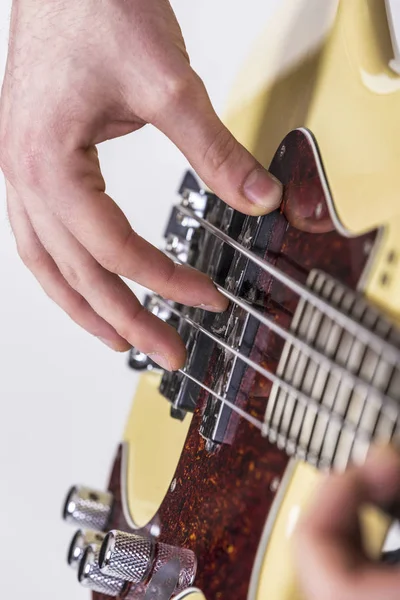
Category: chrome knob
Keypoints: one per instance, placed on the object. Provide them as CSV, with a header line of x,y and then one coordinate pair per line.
x,y
88,508
134,558
126,555
79,543
90,576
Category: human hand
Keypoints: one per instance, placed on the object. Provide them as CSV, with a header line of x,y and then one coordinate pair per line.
x,y
332,563
79,73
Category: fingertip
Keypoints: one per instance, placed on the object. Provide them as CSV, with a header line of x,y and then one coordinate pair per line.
x,y
382,474
170,354
116,345
194,288
211,298
222,304
178,359
169,362
263,191
219,303
123,347
381,455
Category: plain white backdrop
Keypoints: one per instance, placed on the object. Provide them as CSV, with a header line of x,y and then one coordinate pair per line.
x,y
64,397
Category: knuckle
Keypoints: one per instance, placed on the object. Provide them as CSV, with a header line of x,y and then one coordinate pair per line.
x,y
71,275
22,152
220,152
127,328
177,89
113,259
31,165
32,255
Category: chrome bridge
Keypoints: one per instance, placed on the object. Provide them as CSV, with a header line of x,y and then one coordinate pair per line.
x,y
346,416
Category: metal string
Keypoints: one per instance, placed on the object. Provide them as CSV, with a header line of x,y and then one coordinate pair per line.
x,y
263,427
357,329
299,396
385,402
256,422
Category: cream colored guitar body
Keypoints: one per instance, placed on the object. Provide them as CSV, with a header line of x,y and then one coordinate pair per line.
x,y
323,65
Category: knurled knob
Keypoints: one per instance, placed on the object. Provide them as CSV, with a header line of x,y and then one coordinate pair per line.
x,y
88,508
79,543
137,559
90,576
126,555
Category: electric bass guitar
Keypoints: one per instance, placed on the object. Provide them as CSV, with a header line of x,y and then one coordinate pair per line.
x,y
301,374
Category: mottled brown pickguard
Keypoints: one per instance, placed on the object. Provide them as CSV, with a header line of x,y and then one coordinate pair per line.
x,y
221,501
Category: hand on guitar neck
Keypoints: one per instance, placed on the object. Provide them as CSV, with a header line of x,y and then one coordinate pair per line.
x,y
79,74
331,558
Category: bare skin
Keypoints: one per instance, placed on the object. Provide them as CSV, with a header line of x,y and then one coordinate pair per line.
x,y
80,73
331,560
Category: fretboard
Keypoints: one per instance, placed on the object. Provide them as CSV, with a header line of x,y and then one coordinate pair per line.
x,y
354,395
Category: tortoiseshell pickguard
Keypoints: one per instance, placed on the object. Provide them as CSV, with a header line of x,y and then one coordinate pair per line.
x,y
221,500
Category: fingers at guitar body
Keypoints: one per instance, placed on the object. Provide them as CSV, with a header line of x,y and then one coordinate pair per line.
x,y
331,560
99,225
220,160
43,267
107,294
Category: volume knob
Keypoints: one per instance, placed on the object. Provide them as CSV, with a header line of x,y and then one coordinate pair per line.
x,y
88,508
79,543
135,559
90,576
126,555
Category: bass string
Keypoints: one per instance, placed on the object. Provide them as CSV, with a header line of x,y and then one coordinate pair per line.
x,y
299,396
357,329
263,427
385,403
245,415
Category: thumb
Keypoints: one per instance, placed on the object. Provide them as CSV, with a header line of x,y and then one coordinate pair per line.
x,y
219,159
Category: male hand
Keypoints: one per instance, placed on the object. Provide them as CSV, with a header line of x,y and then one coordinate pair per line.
x,y
79,73
331,560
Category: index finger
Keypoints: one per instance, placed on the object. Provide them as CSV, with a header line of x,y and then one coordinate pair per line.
x,y
74,191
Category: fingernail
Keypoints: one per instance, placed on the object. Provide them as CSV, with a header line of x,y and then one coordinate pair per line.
x,y
161,360
210,308
263,189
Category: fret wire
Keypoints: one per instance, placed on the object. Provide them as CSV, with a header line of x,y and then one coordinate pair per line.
x,y
336,393
386,403
306,401
353,327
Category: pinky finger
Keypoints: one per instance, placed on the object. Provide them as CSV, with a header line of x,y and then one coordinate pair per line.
x,y
43,267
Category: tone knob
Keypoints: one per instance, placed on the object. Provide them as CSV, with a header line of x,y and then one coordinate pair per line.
x,y
79,543
88,508
126,555
137,559
90,576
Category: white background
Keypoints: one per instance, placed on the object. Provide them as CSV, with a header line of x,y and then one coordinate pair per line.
x,y
64,397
